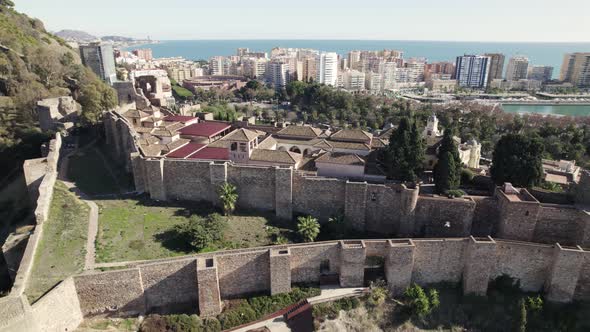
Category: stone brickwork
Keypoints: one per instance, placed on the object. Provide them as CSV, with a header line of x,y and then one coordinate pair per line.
x,y
117,293
564,273
386,209
59,309
399,264
280,271
355,204
479,260
208,284
201,281
352,263
157,280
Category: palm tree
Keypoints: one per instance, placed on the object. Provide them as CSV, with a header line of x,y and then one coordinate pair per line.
x,y
228,197
308,228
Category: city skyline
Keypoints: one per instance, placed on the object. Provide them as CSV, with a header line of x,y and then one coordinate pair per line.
x,y
394,20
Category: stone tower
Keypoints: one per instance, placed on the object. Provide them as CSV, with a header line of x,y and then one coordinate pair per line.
x,y
242,143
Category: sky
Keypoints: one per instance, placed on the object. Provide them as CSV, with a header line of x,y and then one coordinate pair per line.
x,y
450,20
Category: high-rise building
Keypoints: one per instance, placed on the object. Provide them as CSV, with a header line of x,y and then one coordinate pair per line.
x,y
255,67
517,68
327,68
309,69
388,75
216,65
496,66
353,80
101,59
435,68
540,73
242,51
354,57
277,73
472,71
415,70
144,53
576,69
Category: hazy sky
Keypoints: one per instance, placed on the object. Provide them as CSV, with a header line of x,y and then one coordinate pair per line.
x,y
460,20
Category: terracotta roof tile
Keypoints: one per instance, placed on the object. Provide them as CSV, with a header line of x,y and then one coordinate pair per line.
x,y
341,159
275,156
300,131
352,134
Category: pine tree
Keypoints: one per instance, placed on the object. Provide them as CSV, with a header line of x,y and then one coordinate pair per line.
x,y
447,172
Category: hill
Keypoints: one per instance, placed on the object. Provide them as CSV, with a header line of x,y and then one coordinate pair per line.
x,y
35,64
76,35
117,39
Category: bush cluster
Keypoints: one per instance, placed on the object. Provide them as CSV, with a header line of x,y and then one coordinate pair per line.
x,y
260,306
179,323
202,232
419,303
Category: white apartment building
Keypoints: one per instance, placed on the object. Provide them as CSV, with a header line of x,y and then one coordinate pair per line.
x,y
517,68
353,80
540,73
373,82
354,58
255,67
218,66
472,71
327,68
277,73
388,75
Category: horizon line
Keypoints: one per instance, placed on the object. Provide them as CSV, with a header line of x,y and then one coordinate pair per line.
x,y
342,39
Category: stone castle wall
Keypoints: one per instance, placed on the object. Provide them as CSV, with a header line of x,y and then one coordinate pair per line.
x,y
386,209
164,285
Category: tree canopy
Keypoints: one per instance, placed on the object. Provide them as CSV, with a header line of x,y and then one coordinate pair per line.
x,y
404,157
518,159
447,171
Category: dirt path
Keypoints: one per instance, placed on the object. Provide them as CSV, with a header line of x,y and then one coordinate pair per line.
x,y
90,260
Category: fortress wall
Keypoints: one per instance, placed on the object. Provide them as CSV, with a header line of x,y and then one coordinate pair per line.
x,y
582,291
485,216
438,260
170,287
188,180
377,248
517,218
383,209
319,197
557,224
306,261
528,262
59,309
44,195
118,293
255,186
243,273
435,218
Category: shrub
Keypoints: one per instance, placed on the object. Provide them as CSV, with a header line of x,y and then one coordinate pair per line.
x,y
534,303
264,305
467,175
202,232
455,193
378,294
211,324
175,323
308,228
433,297
330,310
237,316
228,197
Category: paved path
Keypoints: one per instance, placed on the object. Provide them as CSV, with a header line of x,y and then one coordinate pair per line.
x,y
329,293
89,262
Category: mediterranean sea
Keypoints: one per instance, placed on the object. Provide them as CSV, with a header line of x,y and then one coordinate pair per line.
x,y
569,110
550,54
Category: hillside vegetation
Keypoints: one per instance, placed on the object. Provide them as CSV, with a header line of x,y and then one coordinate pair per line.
x,y
35,64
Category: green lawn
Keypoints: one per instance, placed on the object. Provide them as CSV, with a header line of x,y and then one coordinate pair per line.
x,y
62,248
138,228
88,170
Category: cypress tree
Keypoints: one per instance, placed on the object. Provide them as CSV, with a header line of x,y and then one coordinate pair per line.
x,y
447,172
517,159
405,154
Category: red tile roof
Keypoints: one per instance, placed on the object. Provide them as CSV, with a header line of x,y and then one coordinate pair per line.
x,y
211,154
186,150
179,118
205,129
